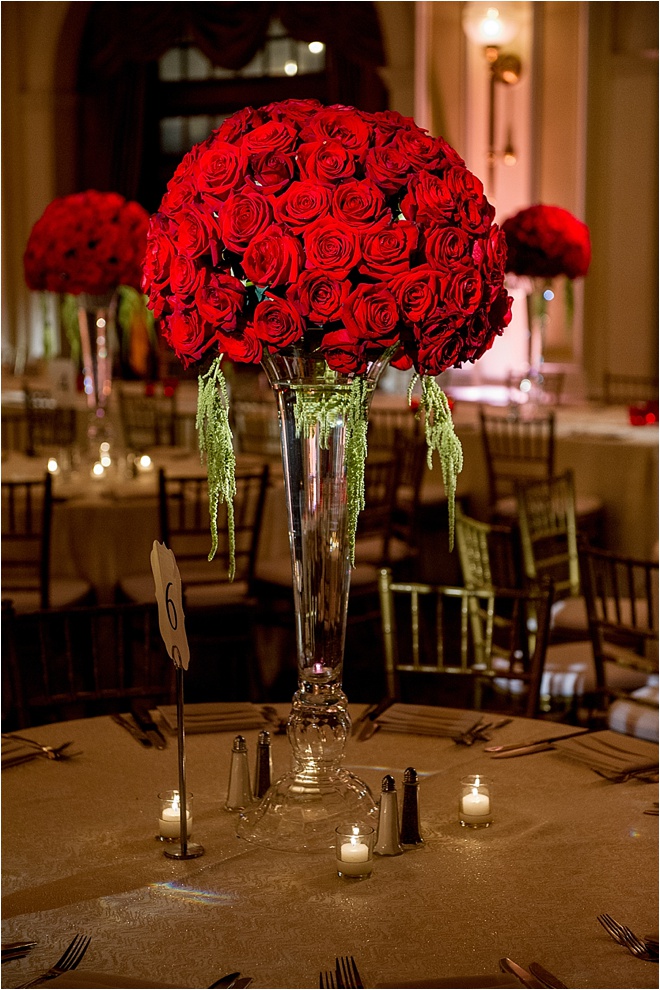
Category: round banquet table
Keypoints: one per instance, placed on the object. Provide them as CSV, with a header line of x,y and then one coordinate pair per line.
x,y
80,855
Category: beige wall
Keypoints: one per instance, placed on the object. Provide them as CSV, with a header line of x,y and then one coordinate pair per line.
x,y
606,170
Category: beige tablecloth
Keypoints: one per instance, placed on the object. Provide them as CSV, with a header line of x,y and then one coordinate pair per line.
x,y
80,855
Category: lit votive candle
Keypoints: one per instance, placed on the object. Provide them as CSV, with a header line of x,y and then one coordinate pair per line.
x,y
474,806
53,466
144,463
354,847
169,822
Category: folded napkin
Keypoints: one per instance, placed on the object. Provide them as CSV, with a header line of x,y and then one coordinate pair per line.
x,y
426,720
610,751
108,981
215,717
456,982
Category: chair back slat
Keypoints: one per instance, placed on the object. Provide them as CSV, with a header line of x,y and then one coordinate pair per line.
x,y
147,420
516,447
26,530
431,629
621,595
548,533
73,663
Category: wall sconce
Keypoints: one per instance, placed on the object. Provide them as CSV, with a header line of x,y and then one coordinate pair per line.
x,y
492,27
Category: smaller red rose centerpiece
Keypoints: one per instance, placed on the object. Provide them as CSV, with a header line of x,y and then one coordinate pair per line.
x,y
89,248
542,243
546,241
345,233
88,242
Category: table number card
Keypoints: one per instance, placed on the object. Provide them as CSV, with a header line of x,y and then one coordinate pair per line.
x,y
170,604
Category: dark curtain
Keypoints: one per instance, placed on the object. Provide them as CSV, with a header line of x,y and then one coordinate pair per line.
x,y
123,41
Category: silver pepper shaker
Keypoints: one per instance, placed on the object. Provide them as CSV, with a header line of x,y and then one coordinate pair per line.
x,y
264,767
387,842
239,792
410,834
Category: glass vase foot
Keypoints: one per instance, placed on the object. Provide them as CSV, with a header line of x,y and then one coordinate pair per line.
x,y
300,812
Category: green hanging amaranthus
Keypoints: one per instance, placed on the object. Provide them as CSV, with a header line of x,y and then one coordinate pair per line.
x,y
351,404
441,438
216,444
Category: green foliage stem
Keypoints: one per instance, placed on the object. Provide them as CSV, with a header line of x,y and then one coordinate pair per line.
x,y
216,444
441,438
313,411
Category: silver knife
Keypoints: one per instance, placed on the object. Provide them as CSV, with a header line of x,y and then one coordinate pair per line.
x,y
370,726
141,715
522,751
228,980
244,981
534,742
546,977
127,723
525,977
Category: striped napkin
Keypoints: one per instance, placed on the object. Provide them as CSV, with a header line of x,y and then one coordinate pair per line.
x,y
427,720
610,751
218,716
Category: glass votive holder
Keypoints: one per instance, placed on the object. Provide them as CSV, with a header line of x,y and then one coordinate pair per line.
x,y
475,804
169,818
354,851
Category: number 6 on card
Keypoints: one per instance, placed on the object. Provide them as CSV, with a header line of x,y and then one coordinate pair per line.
x,y
170,604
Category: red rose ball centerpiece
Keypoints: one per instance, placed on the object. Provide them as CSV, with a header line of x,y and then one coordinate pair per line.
x,y
323,242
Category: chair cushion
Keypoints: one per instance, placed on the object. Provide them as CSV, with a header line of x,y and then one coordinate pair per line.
x,y
569,671
140,588
63,593
585,505
636,715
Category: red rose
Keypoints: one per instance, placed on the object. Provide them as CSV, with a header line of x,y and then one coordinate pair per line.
x,y
343,353
388,168
325,161
234,127
473,211
331,245
274,257
159,254
301,204
220,169
271,136
359,204
420,149
370,313
271,172
428,200
188,334
445,246
277,322
319,295
185,276
243,216
387,124
244,347
386,251
418,295
439,349
402,360
192,238
343,124
220,299
464,290
297,111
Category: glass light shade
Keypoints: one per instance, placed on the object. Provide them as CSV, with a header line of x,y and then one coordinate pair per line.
x,y
490,24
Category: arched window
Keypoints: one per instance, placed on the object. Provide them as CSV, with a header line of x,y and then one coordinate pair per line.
x,y
157,78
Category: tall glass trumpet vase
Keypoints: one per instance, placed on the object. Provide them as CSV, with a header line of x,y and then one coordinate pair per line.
x,y
323,418
96,323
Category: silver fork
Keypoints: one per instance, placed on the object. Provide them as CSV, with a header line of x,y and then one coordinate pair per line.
x,y
69,959
52,752
347,972
627,938
327,980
